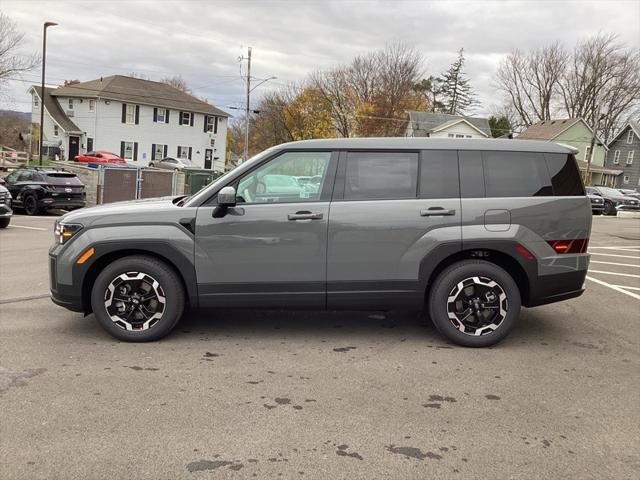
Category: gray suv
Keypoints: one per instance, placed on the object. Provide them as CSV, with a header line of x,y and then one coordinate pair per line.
x,y
469,230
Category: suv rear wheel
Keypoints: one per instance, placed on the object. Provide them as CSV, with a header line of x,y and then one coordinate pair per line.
x,y
138,299
474,303
30,204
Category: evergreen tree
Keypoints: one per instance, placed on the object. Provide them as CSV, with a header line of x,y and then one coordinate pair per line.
x,y
458,96
500,126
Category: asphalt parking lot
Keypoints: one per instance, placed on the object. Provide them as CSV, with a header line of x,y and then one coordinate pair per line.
x,y
321,395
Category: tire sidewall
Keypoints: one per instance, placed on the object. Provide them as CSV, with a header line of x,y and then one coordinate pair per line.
x,y
4,222
30,197
168,280
449,278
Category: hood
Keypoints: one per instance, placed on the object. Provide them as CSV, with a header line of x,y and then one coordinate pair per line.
x,y
122,212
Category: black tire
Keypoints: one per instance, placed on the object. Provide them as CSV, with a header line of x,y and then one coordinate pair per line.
x,y
609,209
150,164
597,212
170,286
4,222
30,204
446,284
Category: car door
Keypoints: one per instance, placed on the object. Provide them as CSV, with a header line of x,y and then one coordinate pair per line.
x,y
270,249
391,212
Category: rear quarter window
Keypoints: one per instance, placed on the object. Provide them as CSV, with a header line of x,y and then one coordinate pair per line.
x,y
565,175
516,174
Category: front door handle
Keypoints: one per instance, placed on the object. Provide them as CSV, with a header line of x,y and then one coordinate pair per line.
x,y
304,215
436,211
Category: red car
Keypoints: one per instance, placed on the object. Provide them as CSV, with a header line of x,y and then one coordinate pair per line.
x,y
100,157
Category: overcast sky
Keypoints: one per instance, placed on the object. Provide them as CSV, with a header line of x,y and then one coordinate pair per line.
x,y
202,40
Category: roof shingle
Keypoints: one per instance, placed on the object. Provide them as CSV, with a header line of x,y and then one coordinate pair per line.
x,y
56,112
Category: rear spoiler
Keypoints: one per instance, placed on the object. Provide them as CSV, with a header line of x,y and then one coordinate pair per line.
x,y
573,150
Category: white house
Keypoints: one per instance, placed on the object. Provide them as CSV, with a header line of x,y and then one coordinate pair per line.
x,y
138,119
442,125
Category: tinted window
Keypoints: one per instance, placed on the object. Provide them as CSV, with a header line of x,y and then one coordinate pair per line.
x,y
471,174
439,174
565,176
516,174
381,175
63,178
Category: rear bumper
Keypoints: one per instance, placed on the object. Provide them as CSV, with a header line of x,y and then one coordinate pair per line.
x,y
61,203
553,288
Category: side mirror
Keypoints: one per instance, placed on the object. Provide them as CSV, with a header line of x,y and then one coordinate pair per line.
x,y
227,197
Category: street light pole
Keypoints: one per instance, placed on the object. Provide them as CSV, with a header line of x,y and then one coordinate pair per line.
x,y
246,110
44,56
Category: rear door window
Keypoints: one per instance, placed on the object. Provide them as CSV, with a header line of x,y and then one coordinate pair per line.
x,y
565,175
516,174
439,174
381,175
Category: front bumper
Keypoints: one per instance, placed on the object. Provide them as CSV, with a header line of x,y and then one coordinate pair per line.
x,y
5,210
67,296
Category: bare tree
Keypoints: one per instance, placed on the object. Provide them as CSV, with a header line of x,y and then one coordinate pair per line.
x,y
177,82
602,83
12,64
530,81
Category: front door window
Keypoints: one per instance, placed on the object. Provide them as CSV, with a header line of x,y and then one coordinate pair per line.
x,y
292,177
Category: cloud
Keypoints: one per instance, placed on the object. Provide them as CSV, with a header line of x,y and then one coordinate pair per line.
x,y
201,41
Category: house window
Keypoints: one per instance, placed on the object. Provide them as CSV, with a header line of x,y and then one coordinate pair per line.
x,y
183,152
587,153
159,151
185,118
211,122
130,114
71,104
630,157
451,135
625,179
213,142
128,150
36,101
92,105
160,117
616,157
55,131
459,136
630,136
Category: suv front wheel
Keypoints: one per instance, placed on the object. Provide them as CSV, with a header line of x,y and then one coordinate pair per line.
x,y
474,303
138,299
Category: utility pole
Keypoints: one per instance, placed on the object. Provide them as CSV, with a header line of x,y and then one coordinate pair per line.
x,y
44,56
246,110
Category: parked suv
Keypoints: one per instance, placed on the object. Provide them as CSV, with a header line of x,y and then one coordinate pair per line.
x,y
470,230
5,207
35,190
614,200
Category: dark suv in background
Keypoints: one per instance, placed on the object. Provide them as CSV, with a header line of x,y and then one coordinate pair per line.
x,y
614,200
468,230
5,207
35,190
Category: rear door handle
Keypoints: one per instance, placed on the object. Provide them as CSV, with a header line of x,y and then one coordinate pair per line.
x,y
436,211
304,215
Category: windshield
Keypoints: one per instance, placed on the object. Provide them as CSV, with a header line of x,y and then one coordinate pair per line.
x,y
610,191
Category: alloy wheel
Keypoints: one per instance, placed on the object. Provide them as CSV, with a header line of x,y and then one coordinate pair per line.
x,y
30,205
134,301
477,306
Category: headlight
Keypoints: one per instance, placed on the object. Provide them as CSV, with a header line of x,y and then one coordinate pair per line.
x,y
63,232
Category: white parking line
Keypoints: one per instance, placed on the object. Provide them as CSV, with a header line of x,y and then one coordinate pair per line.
x,y
617,247
614,287
620,264
28,228
630,288
615,273
613,255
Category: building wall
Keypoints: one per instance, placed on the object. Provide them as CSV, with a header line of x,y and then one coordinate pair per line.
x,y
632,171
579,136
458,129
49,139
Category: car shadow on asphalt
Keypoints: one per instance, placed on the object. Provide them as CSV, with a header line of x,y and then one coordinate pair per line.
x,y
533,326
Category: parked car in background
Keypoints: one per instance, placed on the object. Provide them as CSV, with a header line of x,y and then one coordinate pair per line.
x,y
614,200
170,163
35,190
100,157
597,202
468,230
630,193
5,207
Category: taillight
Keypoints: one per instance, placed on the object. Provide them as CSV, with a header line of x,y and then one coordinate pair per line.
x,y
524,252
578,245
